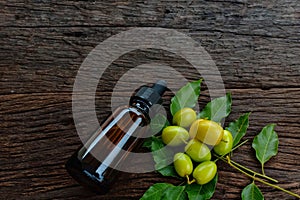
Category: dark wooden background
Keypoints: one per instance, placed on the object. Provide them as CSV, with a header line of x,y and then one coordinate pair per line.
x,y
256,46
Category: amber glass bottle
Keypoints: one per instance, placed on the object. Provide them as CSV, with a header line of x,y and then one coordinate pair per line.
x,y
94,164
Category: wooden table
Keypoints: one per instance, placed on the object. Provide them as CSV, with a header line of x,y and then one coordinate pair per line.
x,y
255,45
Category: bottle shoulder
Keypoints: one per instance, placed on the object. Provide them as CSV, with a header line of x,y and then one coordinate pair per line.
x,y
129,109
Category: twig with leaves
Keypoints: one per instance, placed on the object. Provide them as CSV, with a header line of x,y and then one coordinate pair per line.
x,y
265,145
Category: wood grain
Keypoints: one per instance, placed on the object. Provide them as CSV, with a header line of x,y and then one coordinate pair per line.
x,y
254,44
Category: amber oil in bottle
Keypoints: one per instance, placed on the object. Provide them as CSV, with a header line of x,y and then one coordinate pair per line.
x,y
94,164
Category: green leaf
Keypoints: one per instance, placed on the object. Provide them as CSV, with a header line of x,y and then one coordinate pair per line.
x,y
202,192
238,128
158,123
147,143
217,109
156,144
169,171
266,144
187,96
252,192
163,157
156,191
174,193
153,143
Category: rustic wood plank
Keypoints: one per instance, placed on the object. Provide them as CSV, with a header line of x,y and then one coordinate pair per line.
x,y
270,19
244,61
42,44
34,151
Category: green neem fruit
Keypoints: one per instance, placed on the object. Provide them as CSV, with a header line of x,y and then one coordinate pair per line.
x,y
198,151
207,131
183,164
174,135
184,117
225,146
205,172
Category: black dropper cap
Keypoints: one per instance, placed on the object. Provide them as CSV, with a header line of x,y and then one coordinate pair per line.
x,y
150,95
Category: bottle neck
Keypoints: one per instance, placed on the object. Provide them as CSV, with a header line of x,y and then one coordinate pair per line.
x,y
142,106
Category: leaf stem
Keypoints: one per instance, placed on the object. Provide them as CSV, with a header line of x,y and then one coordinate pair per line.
x,y
242,143
183,182
254,173
247,169
262,169
188,180
219,157
258,179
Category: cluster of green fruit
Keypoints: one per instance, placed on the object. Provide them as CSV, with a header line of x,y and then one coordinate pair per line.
x,y
202,136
